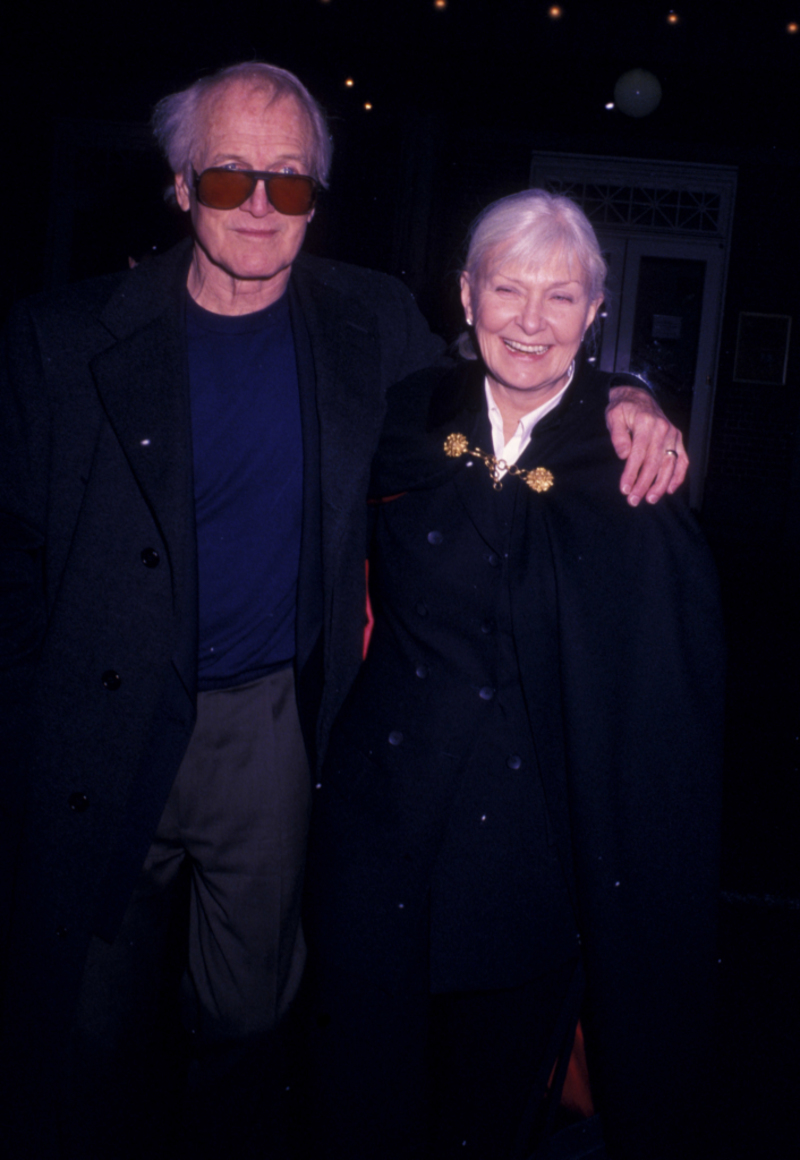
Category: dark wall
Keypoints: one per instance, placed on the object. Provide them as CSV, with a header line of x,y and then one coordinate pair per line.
x,y
460,98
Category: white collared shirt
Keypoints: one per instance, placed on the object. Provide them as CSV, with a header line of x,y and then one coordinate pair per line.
x,y
510,452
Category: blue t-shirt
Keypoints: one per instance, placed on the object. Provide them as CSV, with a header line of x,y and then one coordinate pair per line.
x,y
248,480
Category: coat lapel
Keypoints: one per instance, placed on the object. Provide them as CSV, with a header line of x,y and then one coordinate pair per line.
x,y
345,350
148,409
142,381
473,483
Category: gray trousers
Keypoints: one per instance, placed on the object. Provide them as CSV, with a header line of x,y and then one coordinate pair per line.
x,y
175,1041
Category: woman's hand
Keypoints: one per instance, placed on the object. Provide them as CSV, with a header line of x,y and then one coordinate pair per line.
x,y
656,461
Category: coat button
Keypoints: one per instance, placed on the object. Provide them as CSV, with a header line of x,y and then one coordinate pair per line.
x,y
486,693
395,737
111,680
493,559
488,626
61,932
421,671
422,609
514,761
434,537
78,802
150,558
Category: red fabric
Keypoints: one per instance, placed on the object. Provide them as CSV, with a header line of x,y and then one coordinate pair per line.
x,y
577,1093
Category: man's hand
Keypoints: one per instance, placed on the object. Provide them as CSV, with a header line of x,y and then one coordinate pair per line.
x,y
643,435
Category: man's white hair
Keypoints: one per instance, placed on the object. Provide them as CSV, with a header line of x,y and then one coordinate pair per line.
x,y
179,119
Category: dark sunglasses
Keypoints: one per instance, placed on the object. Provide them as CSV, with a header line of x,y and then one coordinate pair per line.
x,y
290,193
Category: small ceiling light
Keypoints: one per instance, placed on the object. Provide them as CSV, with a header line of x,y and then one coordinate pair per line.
x,y
673,18
367,105
440,3
610,105
348,84
556,12
793,28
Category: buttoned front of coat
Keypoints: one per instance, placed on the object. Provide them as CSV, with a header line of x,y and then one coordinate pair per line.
x,y
616,642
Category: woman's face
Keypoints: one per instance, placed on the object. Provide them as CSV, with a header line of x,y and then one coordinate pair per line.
x,y
529,323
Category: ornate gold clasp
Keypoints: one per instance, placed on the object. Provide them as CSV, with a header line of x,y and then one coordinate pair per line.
x,y
539,479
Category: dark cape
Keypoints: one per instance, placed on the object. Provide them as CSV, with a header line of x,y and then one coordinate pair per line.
x,y
615,630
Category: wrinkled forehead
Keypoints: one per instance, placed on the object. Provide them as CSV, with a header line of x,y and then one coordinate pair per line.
x,y
236,97
556,261
238,113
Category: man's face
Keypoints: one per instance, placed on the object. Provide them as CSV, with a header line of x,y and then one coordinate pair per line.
x,y
244,131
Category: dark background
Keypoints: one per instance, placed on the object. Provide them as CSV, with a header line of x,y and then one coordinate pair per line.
x,y
460,96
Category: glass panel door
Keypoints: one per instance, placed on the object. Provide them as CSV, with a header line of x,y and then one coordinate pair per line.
x,y
662,324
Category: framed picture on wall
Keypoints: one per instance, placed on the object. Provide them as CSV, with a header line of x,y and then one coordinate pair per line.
x,y
762,348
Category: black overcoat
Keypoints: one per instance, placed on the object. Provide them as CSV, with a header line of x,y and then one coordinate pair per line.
x,y
616,629
98,651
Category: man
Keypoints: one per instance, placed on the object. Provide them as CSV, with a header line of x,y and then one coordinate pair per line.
x,y
186,452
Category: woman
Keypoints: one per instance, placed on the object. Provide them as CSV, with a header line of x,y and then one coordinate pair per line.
x,y
526,771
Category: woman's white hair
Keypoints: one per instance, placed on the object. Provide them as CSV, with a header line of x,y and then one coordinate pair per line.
x,y
530,229
179,119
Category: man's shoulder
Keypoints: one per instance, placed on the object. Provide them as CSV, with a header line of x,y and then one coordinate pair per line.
x,y
374,310
88,296
142,288
356,281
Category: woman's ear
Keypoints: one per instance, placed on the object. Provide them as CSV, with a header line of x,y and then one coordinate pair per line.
x,y
592,312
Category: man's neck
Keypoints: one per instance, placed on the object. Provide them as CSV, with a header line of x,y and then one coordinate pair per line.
x,y
219,292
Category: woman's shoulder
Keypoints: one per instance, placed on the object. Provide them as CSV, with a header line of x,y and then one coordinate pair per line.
x,y
419,409
574,433
429,396
592,387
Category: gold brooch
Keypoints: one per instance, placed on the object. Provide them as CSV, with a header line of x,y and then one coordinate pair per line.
x,y
539,479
